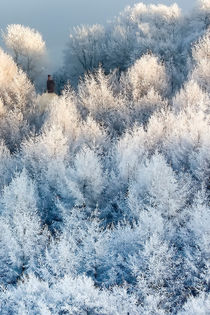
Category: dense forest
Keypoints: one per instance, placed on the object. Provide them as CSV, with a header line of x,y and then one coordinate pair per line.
x,y
105,187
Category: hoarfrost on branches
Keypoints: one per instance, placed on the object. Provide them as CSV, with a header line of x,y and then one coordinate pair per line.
x,y
105,188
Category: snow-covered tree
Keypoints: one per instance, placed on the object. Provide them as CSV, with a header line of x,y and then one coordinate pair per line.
x,y
85,50
16,99
21,235
201,56
98,97
28,48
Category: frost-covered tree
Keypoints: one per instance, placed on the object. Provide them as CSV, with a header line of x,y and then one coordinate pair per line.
x,y
146,74
201,56
28,48
147,187
16,91
99,98
16,99
85,50
21,224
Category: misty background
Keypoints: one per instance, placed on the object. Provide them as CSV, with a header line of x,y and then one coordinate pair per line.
x,y
55,19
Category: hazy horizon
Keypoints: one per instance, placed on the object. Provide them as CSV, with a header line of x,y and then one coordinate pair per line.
x,y
54,20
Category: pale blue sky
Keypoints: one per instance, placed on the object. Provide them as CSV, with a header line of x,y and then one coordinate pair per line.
x,y
54,19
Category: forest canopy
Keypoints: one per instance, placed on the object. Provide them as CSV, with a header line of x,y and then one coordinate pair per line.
x,y
105,188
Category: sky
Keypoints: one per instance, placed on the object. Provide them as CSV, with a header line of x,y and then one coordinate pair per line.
x,y
55,19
